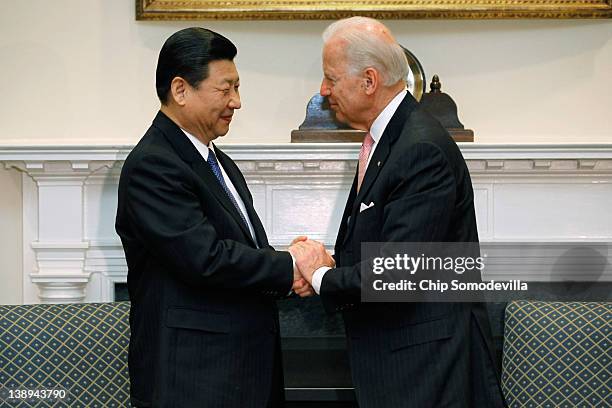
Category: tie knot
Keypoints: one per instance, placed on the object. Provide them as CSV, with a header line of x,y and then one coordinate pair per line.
x,y
212,159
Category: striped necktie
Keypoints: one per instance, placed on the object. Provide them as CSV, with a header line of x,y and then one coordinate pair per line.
x,y
364,153
214,166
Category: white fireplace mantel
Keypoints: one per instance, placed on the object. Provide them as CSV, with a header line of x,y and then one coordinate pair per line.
x,y
71,252
290,151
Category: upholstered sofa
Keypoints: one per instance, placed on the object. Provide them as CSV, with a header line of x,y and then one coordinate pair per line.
x,y
80,349
556,354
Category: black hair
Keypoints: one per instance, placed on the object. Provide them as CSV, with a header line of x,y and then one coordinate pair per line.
x,y
186,54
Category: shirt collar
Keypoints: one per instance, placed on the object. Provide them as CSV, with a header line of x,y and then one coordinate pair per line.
x,y
200,147
380,123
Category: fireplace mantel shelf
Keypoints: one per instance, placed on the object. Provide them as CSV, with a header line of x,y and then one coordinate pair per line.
x,y
310,151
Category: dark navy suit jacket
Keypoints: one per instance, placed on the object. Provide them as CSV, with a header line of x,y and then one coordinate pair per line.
x,y
204,322
412,354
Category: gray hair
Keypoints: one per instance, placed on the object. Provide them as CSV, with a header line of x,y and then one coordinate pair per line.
x,y
365,49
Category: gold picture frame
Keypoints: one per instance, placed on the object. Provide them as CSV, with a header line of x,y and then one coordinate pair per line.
x,y
382,9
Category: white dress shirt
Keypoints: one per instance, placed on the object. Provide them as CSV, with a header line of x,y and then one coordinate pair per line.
x,y
203,150
376,131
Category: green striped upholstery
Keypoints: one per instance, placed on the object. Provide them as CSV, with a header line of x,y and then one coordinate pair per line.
x,y
81,348
557,354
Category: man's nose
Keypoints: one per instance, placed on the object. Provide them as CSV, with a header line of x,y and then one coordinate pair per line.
x,y
234,101
325,89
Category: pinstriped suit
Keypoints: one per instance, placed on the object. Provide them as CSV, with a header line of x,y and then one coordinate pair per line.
x,y
412,354
204,323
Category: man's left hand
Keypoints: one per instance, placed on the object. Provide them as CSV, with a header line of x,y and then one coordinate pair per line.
x,y
309,256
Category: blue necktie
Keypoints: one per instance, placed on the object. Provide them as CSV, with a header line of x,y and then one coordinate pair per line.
x,y
214,166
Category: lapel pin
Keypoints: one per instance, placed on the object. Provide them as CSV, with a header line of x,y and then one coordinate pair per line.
x,y
378,164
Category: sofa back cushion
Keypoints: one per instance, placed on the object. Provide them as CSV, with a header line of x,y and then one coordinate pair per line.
x,y
557,354
79,348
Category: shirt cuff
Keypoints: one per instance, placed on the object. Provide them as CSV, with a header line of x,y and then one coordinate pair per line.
x,y
317,278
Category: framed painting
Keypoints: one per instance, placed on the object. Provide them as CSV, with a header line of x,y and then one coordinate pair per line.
x,y
382,9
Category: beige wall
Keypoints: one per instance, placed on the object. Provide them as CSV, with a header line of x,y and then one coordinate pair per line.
x,y
82,71
11,237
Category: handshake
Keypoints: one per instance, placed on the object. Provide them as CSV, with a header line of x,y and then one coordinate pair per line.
x,y
309,256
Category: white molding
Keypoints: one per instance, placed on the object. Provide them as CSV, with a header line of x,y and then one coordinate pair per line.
x,y
61,288
530,193
323,158
60,273
306,151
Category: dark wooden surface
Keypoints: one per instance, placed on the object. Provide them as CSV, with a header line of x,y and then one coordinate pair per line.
x,y
356,136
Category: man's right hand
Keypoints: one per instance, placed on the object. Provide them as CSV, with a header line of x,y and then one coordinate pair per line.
x,y
310,255
302,288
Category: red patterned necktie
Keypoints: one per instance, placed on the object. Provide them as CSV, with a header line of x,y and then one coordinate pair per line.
x,y
364,153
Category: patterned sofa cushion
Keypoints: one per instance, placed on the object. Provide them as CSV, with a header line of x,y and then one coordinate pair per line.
x,y
557,354
78,348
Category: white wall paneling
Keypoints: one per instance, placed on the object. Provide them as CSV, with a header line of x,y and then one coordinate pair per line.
x,y
71,252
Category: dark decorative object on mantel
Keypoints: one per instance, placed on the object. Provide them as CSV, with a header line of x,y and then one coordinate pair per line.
x,y
443,108
320,124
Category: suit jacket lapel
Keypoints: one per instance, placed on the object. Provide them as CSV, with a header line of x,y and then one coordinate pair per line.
x,y
204,171
187,151
377,161
348,208
237,180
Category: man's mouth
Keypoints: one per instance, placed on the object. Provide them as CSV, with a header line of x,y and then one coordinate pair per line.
x,y
228,118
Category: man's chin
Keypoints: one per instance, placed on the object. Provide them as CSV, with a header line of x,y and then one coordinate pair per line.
x,y
222,131
340,118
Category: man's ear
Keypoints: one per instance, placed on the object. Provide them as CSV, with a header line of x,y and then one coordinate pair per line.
x,y
371,80
178,90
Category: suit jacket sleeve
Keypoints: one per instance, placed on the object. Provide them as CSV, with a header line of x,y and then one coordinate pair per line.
x,y
418,209
187,240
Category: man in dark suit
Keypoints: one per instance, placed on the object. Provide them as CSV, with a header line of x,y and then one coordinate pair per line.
x,y
202,277
412,185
